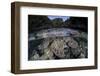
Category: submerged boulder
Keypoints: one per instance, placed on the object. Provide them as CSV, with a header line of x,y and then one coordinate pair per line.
x,y
71,46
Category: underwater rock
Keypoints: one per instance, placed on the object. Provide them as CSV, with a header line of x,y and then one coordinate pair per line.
x,y
44,44
72,43
57,47
47,55
35,57
73,46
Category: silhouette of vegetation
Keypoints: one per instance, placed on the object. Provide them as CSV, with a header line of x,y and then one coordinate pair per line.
x,y
57,22
38,22
80,23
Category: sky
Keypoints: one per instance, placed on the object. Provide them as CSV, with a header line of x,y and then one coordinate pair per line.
x,y
63,17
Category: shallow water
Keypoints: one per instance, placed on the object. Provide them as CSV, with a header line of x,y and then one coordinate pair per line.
x,y
49,36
